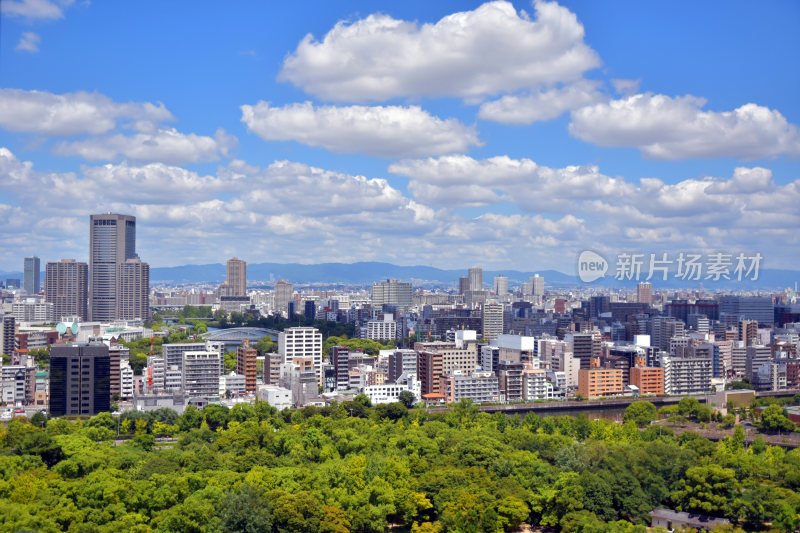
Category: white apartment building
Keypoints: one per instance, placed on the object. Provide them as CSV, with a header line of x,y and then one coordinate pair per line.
x,y
382,329
390,392
201,374
302,342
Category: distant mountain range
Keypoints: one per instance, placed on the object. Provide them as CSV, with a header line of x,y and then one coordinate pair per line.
x,y
364,273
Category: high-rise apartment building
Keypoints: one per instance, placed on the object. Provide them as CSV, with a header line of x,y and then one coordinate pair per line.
x,y
237,277
246,365
66,286
475,279
80,379
133,290
201,372
644,293
302,342
283,295
391,292
8,335
112,240
492,319
340,359
31,273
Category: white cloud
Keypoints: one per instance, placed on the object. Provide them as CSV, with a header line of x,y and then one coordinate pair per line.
x,y
35,9
542,104
748,209
28,42
626,87
677,128
290,211
472,54
71,114
384,131
164,145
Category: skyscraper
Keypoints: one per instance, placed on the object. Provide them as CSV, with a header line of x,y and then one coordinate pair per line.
x,y
112,240
133,290
237,276
501,285
31,275
66,286
283,295
537,288
80,379
492,319
476,279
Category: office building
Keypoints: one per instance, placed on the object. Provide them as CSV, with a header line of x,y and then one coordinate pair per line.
x,y
537,288
236,279
644,293
80,379
246,365
463,284
585,346
133,290
302,342
500,285
475,276
31,273
391,292
310,311
66,286
283,295
112,241
758,308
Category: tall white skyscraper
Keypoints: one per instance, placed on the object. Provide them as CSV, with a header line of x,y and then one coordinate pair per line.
x,y
501,285
475,279
283,295
112,241
31,275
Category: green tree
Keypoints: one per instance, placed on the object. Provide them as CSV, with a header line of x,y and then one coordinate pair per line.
x,y
246,510
707,489
407,398
773,418
641,413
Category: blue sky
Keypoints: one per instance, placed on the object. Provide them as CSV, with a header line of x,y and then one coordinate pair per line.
x,y
442,133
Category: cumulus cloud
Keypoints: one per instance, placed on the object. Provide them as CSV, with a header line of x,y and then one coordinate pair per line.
x,y
28,42
71,114
471,54
677,128
384,131
290,211
717,212
35,9
542,104
164,145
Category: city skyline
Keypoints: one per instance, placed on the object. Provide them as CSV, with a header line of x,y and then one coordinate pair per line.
x,y
637,128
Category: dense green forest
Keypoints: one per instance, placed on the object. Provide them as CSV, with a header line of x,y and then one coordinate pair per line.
x,y
354,467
